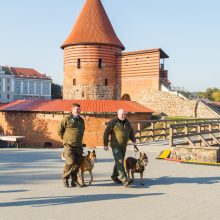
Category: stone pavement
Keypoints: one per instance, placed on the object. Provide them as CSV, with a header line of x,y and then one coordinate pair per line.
x,y
31,188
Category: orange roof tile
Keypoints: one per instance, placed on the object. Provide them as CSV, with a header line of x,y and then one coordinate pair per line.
x,y
93,27
87,106
27,72
2,104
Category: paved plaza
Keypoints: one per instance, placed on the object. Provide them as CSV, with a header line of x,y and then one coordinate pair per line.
x,y
31,188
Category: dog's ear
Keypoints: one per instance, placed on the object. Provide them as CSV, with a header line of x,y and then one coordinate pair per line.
x,y
140,154
89,152
93,151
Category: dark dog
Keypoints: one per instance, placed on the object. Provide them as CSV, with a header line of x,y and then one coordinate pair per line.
x,y
87,164
133,165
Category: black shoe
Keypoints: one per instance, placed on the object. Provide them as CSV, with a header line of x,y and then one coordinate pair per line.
x,y
77,184
126,183
65,182
73,184
116,180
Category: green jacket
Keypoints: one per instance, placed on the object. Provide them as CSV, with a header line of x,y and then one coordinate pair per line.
x,y
71,131
120,133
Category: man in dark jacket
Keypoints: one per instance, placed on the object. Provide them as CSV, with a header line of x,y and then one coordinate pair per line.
x,y
71,131
120,131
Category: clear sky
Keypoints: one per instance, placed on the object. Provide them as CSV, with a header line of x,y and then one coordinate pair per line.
x,y
32,31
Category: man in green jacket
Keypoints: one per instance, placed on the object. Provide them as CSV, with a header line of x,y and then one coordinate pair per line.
x,y
120,131
71,131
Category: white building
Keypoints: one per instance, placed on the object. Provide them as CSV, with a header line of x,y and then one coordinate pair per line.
x,y
23,83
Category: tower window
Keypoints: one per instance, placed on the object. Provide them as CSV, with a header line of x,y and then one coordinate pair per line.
x,y
74,82
106,82
78,63
100,63
83,94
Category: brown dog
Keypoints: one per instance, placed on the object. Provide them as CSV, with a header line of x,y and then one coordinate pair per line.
x,y
133,165
87,164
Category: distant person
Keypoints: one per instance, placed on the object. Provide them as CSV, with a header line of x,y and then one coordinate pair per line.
x,y
71,131
120,131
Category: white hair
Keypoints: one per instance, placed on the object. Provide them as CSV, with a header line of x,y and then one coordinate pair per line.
x,y
121,110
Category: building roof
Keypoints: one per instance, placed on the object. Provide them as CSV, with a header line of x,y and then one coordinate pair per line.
x,y
27,73
165,81
87,106
93,27
7,70
2,104
162,53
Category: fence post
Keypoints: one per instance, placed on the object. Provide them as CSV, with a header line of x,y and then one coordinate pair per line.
x,y
165,129
139,131
171,136
153,126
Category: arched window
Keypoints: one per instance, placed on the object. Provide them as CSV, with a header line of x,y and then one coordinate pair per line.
x,y
83,94
126,97
74,82
106,82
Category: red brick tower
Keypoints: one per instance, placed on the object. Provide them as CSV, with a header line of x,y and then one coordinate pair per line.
x,y
90,54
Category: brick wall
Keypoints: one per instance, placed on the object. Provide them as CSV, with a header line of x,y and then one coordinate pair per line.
x,y
137,71
39,128
91,82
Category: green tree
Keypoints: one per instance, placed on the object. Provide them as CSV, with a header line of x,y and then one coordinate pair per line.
x,y
211,93
56,91
216,96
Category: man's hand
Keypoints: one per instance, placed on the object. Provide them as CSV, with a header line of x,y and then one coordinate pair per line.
x,y
106,148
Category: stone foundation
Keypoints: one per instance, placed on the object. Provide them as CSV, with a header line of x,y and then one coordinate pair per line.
x,y
89,92
200,154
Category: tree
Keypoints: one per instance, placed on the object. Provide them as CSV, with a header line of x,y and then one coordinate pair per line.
x,y
56,91
211,93
216,96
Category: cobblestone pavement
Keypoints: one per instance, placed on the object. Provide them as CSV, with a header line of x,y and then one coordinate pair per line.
x,y
31,188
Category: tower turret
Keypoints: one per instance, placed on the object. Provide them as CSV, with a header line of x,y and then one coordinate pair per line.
x,y
90,53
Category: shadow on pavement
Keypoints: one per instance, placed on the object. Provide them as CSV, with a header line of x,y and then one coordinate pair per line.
x,y
62,200
167,180
28,157
13,191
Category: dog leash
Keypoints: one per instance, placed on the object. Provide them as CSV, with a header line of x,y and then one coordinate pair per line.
x,y
135,150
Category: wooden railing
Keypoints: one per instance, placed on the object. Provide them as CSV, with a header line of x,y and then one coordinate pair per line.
x,y
151,130
202,133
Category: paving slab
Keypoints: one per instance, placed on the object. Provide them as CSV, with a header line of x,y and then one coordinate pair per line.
x,y
31,188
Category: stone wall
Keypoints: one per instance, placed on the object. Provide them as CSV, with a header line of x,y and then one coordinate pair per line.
x,y
89,92
164,102
203,111
199,154
39,128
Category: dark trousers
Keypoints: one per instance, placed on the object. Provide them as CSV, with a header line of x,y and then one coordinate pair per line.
x,y
119,170
73,156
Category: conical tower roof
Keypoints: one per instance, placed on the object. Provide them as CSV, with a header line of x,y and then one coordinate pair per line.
x,y
93,27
